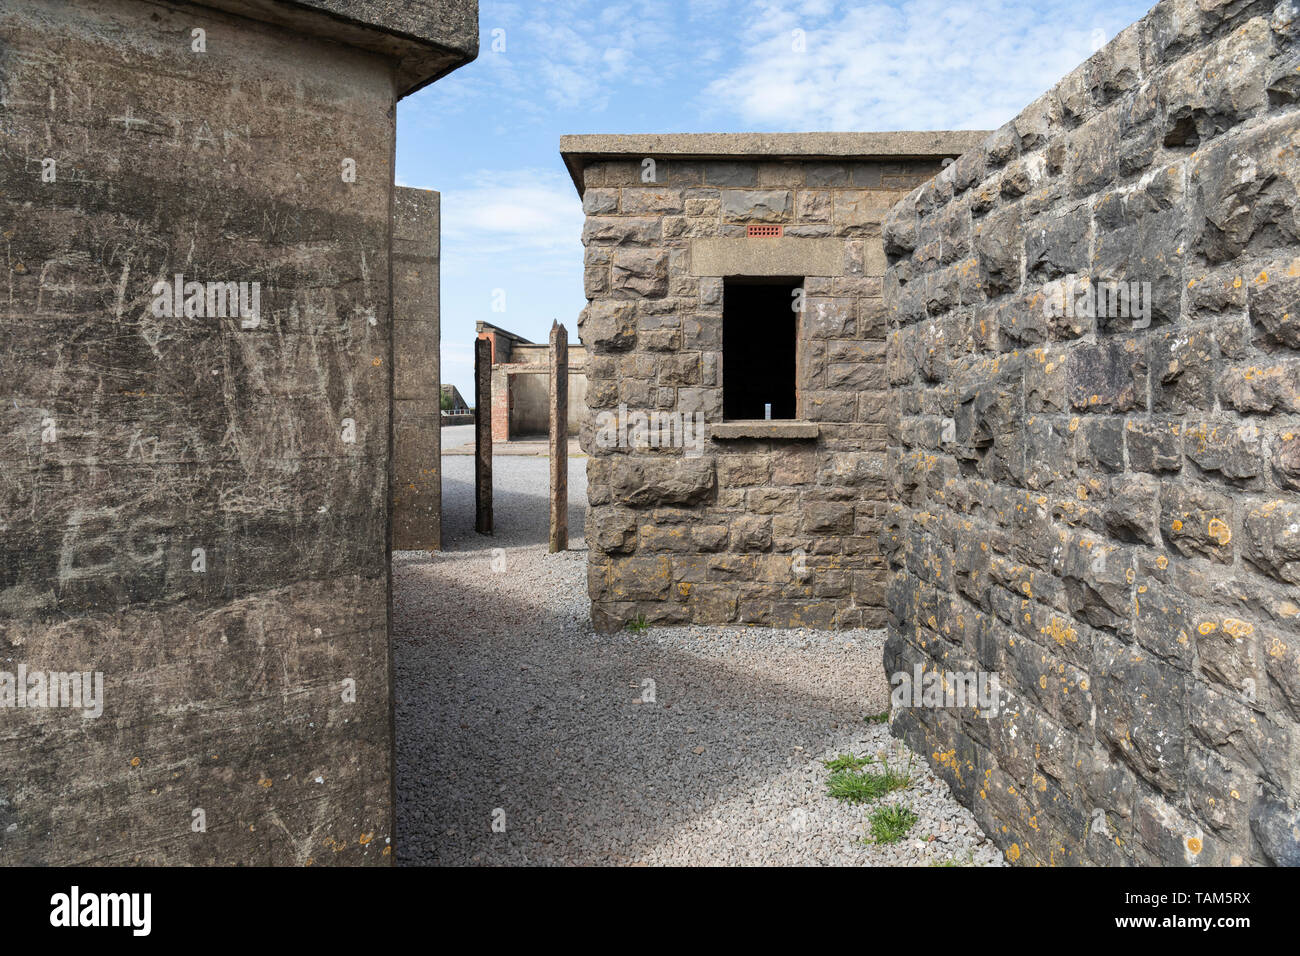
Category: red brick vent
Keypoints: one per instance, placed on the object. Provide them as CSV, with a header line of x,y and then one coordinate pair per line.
x,y
763,232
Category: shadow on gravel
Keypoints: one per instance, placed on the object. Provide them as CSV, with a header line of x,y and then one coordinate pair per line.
x,y
519,517
543,722
507,699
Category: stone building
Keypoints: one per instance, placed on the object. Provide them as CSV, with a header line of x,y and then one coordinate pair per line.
x,y
733,277
204,284
521,389
454,401
1096,496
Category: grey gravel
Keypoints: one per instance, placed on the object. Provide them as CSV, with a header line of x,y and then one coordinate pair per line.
x,y
510,708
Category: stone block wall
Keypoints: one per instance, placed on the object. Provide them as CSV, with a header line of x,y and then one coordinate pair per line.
x,y
195,506
417,393
764,530
1104,510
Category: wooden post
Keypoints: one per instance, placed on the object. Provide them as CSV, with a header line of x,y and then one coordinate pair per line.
x,y
483,436
559,437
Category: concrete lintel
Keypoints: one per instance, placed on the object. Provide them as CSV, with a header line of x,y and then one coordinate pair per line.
x,y
782,256
763,429
578,151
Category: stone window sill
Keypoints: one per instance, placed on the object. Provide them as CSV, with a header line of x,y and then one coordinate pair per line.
x,y
784,428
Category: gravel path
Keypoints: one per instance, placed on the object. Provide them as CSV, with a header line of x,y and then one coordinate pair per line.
x,y
685,745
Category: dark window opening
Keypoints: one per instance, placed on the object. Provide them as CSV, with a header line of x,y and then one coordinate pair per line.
x,y
759,325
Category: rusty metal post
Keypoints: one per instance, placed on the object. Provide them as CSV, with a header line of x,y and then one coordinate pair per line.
x,y
483,436
559,437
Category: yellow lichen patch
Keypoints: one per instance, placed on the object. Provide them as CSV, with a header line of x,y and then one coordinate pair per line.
x,y
1207,627
1177,525
265,782
1013,852
1238,628
1060,631
365,838
1193,845
1162,562
135,761
1276,647
1219,531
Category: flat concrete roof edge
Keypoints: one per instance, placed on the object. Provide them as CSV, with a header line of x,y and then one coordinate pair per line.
x,y
426,38
579,150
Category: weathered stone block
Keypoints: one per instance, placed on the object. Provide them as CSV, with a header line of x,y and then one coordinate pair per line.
x,y
1197,522
1108,377
639,273
644,482
607,326
757,205
649,201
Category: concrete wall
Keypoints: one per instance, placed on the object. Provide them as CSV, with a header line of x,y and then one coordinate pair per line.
x,y
1105,511
417,412
521,390
762,529
195,508
530,413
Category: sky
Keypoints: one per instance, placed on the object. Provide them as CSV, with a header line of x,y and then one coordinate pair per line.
x,y
487,136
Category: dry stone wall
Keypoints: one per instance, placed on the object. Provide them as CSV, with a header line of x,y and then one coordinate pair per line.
x,y
1103,507
758,531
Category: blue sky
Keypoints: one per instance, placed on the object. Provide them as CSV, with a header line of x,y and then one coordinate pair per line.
x,y
487,136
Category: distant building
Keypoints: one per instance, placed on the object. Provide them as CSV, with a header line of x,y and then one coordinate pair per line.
x,y
738,385
521,384
457,404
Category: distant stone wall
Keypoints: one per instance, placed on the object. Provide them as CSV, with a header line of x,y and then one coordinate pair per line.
x,y
417,393
759,530
195,506
521,389
1105,511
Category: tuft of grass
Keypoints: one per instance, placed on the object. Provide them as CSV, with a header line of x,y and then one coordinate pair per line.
x,y
638,624
847,762
857,786
881,718
951,861
890,824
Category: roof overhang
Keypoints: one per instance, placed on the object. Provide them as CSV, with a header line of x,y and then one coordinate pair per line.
x,y
579,151
426,39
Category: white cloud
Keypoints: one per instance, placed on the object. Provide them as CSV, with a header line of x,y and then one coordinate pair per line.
x,y
530,217
457,364
930,64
